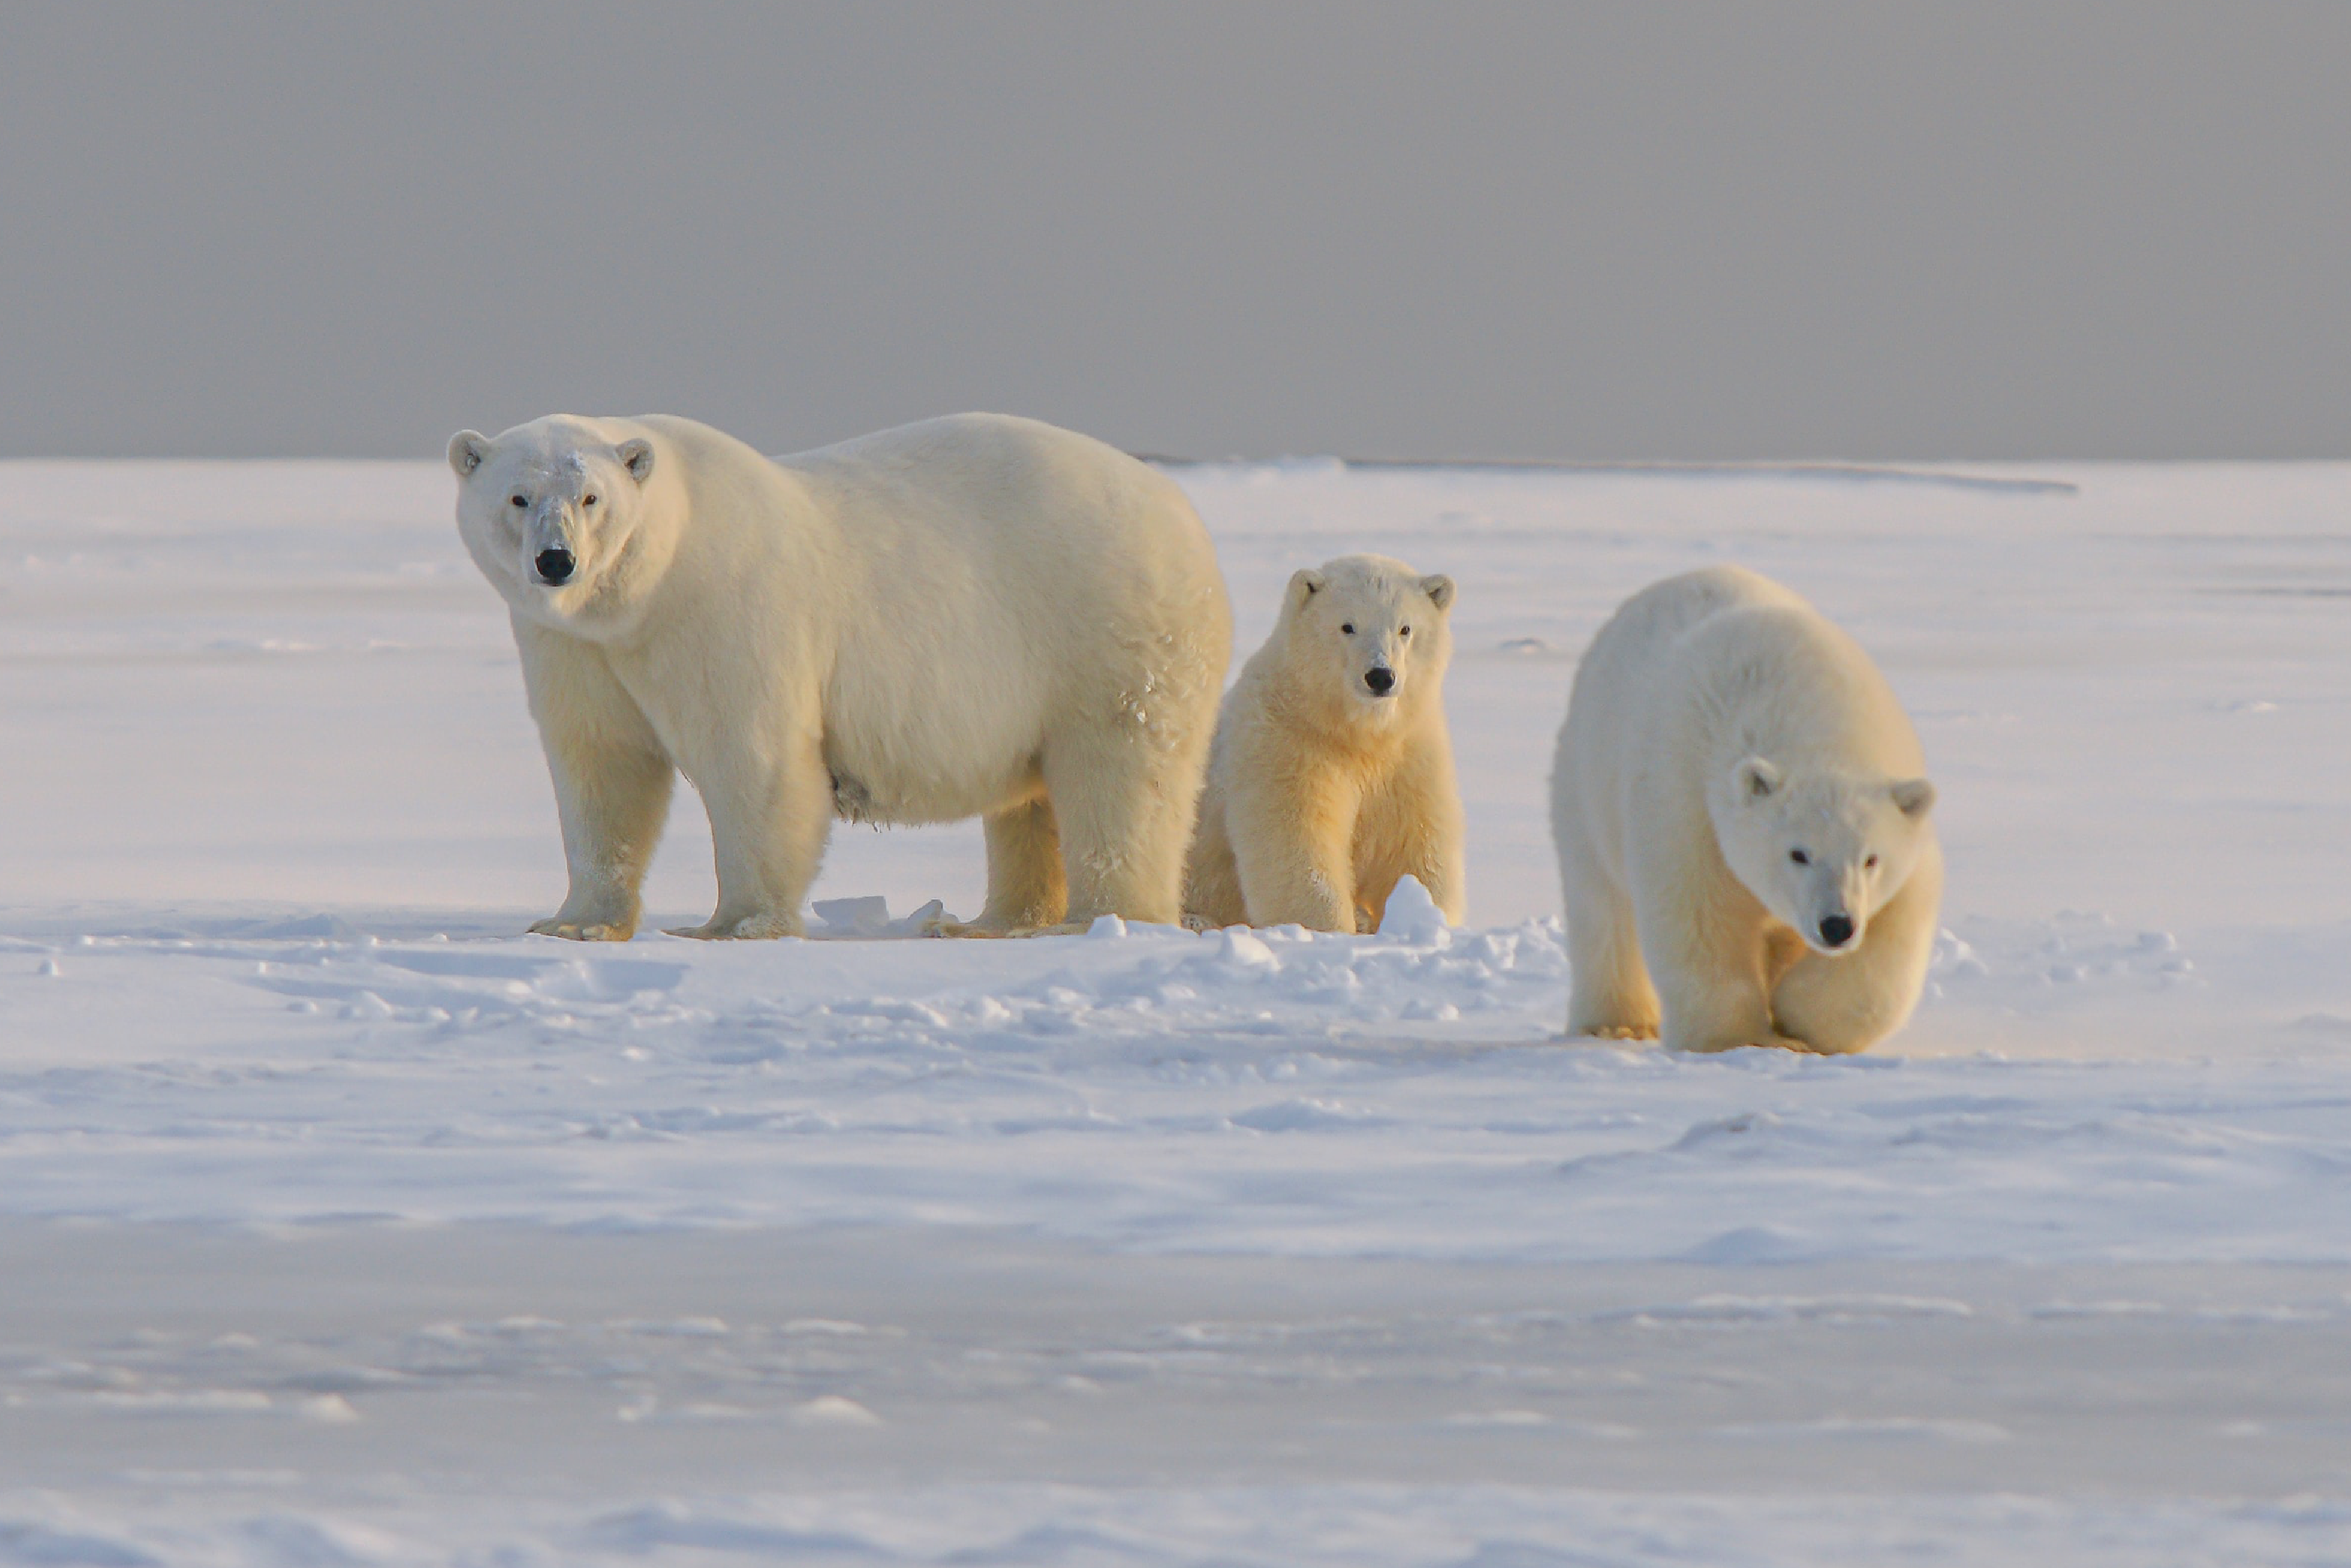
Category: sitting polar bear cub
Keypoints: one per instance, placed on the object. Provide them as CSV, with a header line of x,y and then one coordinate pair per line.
x,y
976,616
1332,775
1741,816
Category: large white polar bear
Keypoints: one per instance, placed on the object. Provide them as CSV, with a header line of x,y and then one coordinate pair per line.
x,y
1331,777
974,616
1741,817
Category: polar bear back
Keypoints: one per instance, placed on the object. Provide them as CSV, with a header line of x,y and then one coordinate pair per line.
x,y
990,574
1697,672
946,523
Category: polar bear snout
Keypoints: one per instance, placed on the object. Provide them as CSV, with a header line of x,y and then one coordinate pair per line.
x,y
1380,680
1835,931
554,565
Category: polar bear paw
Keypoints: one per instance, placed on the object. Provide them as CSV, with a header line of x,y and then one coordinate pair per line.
x,y
740,928
1762,1041
1620,1031
983,929
589,930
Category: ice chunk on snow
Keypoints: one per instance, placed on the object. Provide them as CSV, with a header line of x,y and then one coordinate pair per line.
x,y
1413,915
867,917
1240,950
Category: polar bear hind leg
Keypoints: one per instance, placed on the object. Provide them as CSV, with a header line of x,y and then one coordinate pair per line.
x,y
1212,882
1125,807
1026,887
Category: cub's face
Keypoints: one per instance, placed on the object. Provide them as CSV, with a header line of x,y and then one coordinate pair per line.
x,y
1823,853
1373,634
551,513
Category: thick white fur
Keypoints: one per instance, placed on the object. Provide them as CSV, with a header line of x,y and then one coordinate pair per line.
x,y
973,616
1719,726
1322,795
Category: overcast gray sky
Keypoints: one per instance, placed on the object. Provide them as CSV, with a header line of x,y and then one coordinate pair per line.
x,y
1637,231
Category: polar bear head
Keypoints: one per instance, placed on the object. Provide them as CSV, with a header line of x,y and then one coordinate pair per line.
x,y
1368,635
558,516
1824,852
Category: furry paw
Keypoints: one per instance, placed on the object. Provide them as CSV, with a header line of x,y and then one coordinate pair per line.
x,y
979,929
584,930
964,928
1618,1032
1761,1042
741,928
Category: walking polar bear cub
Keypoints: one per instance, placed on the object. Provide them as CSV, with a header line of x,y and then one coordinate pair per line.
x,y
974,616
1741,817
1332,774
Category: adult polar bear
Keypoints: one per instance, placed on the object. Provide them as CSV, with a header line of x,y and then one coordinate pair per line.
x,y
973,616
1736,784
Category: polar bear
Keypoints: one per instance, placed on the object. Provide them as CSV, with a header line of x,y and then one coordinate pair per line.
x,y
1332,776
1741,817
973,616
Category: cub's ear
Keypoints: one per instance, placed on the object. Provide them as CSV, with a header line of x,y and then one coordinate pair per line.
x,y
1753,779
1439,590
1304,584
467,449
637,456
1913,797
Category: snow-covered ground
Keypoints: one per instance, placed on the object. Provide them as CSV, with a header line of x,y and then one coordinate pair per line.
x,y
340,1224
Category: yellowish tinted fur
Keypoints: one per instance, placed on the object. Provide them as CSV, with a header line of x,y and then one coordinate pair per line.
x,y
974,616
1719,723
1322,796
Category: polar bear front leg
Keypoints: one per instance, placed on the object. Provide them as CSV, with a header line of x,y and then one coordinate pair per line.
x,y
1293,843
1125,807
767,833
611,778
1704,949
1838,1004
1411,825
1609,994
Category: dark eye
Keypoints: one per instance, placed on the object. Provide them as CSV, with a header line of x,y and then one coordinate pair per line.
x,y
519,500
1870,865
1406,633
588,500
1799,857
1348,627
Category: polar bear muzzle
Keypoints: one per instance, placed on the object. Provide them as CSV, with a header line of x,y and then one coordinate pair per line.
x,y
554,565
1379,679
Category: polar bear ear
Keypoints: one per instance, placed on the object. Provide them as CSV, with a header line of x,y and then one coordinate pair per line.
x,y
1753,779
1439,589
467,451
1304,584
637,457
1913,797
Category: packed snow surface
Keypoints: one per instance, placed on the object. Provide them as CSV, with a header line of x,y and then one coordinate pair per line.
x,y
344,1224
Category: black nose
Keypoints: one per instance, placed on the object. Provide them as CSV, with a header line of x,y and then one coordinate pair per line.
x,y
1836,930
1380,678
554,565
